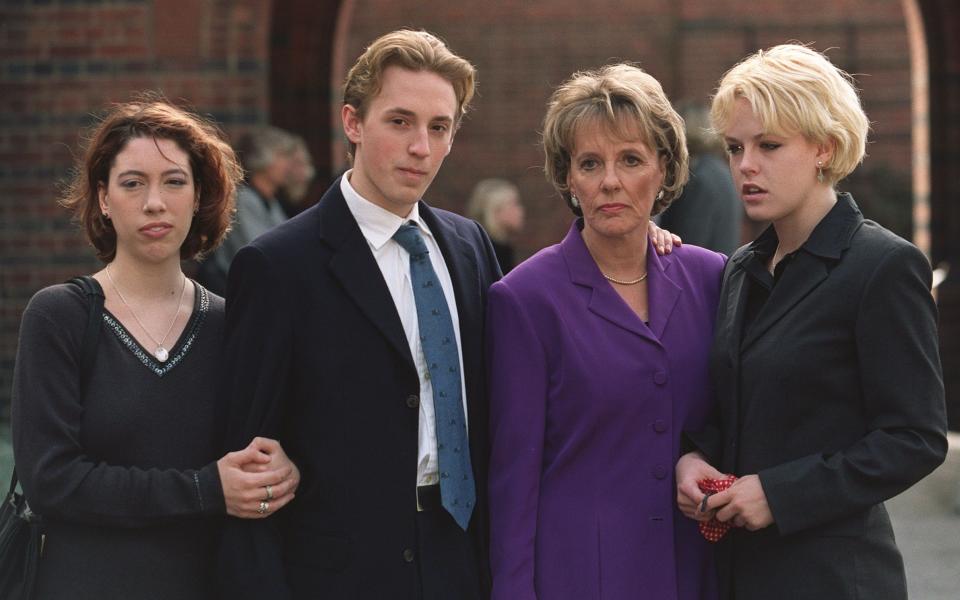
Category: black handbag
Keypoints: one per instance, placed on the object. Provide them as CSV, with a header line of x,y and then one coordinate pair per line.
x,y
21,545
21,530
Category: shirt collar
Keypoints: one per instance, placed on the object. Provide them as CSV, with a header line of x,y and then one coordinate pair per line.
x,y
829,238
376,223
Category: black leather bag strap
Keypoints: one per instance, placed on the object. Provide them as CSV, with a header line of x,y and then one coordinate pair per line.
x,y
91,336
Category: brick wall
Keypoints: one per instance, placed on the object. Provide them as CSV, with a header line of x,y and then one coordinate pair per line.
x,y
524,49
62,60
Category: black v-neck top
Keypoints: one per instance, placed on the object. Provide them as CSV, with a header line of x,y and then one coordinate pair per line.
x,y
125,477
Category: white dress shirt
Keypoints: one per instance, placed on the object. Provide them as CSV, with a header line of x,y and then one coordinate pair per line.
x,y
378,226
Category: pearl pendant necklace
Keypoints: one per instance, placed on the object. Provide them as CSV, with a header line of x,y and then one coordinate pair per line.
x,y
161,353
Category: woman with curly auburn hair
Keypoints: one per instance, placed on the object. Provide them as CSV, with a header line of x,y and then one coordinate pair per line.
x,y
123,467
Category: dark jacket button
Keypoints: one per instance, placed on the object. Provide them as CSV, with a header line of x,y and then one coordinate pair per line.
x,y
408,555
413,401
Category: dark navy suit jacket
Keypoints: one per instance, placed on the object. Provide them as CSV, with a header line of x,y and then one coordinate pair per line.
x,y
316,356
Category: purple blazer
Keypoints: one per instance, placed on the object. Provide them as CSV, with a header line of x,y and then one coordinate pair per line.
x,y
587,406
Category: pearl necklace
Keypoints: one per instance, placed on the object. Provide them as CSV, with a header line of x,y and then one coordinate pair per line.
x,y
622,282
161,352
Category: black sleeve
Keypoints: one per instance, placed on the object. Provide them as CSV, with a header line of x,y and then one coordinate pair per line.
x,y
58,477
257,345
903,399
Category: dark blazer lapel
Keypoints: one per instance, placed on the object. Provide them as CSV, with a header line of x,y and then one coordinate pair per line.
x,y
803,275
730,326
354,266
458,254
462,265
826,244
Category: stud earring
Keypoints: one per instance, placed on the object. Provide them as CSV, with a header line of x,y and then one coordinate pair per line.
x,y
573,201
820,171
660,195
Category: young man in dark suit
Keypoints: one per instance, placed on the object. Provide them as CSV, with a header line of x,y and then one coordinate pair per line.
x,y
354,336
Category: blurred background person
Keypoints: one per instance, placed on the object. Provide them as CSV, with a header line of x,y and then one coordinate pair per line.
x,y
597,355
294,194
495,204
121,461
267,158
708,213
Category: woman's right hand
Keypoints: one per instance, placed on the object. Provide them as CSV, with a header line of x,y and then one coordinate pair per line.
x,y
258,480
691,468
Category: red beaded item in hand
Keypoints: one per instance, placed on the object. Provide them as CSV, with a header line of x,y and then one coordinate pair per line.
x,y
713,529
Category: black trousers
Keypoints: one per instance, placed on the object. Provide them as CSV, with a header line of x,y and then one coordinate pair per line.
x,y
446,557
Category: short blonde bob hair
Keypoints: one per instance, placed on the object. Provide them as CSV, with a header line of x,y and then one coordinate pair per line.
x,y
625,99
796,90
412,50
487,198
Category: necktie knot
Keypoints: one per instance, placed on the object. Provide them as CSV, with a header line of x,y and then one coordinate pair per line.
x,y
408,236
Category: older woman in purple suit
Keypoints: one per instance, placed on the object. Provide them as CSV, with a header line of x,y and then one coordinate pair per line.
x,y
598,361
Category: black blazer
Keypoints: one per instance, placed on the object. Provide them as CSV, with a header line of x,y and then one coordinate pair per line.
x,y
316,356
834,396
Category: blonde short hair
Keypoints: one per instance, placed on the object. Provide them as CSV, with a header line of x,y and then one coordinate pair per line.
x,y
796,90
624,98
412,50
487,197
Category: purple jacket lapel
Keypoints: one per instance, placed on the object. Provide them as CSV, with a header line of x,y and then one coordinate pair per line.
x,y
604,300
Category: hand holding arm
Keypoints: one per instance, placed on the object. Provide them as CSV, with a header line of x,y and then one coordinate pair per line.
x,y
245,475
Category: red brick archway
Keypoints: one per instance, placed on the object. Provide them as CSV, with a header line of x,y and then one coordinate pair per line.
x,y
303,52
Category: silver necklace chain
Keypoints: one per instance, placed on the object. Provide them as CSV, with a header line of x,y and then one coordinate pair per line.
x,y
623,282
161,352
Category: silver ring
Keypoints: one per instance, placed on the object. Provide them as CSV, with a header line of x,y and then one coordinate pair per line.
x,y
264,507
269,489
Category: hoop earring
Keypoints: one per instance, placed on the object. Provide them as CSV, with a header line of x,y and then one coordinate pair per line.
x,y
820,171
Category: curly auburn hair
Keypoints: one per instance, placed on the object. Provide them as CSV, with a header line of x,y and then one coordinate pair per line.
x,y
215,169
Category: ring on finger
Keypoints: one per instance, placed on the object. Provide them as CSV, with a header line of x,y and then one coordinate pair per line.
x,y
269,489
264,507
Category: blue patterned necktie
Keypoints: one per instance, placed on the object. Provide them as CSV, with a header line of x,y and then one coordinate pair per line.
x,y
439,343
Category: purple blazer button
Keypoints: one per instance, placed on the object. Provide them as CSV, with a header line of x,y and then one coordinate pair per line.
x,y
659,426
659,378
660,472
